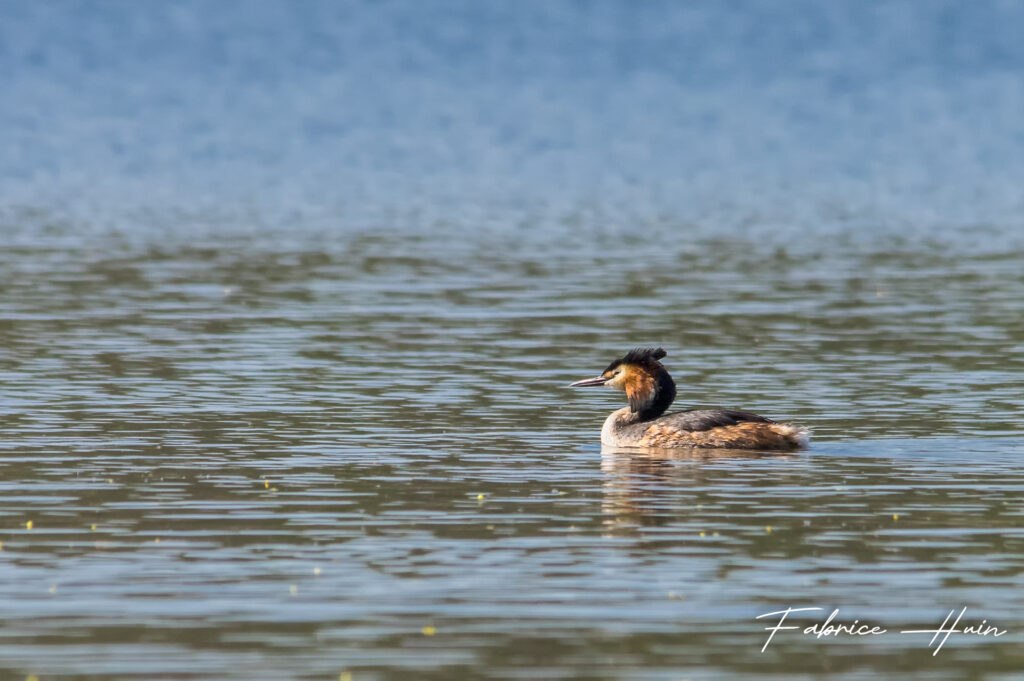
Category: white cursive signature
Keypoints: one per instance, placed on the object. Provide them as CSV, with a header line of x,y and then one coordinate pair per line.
x,y
830,627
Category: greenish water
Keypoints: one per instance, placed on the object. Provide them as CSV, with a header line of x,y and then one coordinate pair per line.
x,y
284,454
291,292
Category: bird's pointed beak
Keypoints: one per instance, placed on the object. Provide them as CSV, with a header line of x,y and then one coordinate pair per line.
x,y
597,380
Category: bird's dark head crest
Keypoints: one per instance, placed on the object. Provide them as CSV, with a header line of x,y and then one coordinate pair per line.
x,y
640,356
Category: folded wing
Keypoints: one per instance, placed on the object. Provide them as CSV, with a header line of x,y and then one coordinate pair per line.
x,y
697,420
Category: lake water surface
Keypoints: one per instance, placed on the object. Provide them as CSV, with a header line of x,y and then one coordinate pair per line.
x,y
285,456
283,357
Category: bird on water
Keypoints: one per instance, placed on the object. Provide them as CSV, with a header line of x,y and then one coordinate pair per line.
x,y
644,423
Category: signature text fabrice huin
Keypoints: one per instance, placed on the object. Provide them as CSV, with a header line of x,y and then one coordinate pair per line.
x,y
831,627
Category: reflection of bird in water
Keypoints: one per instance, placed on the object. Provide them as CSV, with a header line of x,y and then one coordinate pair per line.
x,y
644,423
644,488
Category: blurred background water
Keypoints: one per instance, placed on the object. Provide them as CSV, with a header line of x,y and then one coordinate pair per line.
x,y
290,292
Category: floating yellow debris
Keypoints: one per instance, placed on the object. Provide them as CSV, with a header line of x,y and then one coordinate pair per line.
x,y
157,540
28,524
345,676
714,534
895,516
768,528
1,546
266,484
93,527
31,677
480,497
429,631
703,534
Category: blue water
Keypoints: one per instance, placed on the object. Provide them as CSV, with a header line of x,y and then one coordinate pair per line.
x,y
290,293
744,110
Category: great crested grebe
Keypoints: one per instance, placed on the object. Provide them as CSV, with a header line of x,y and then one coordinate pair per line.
x,y
644,423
